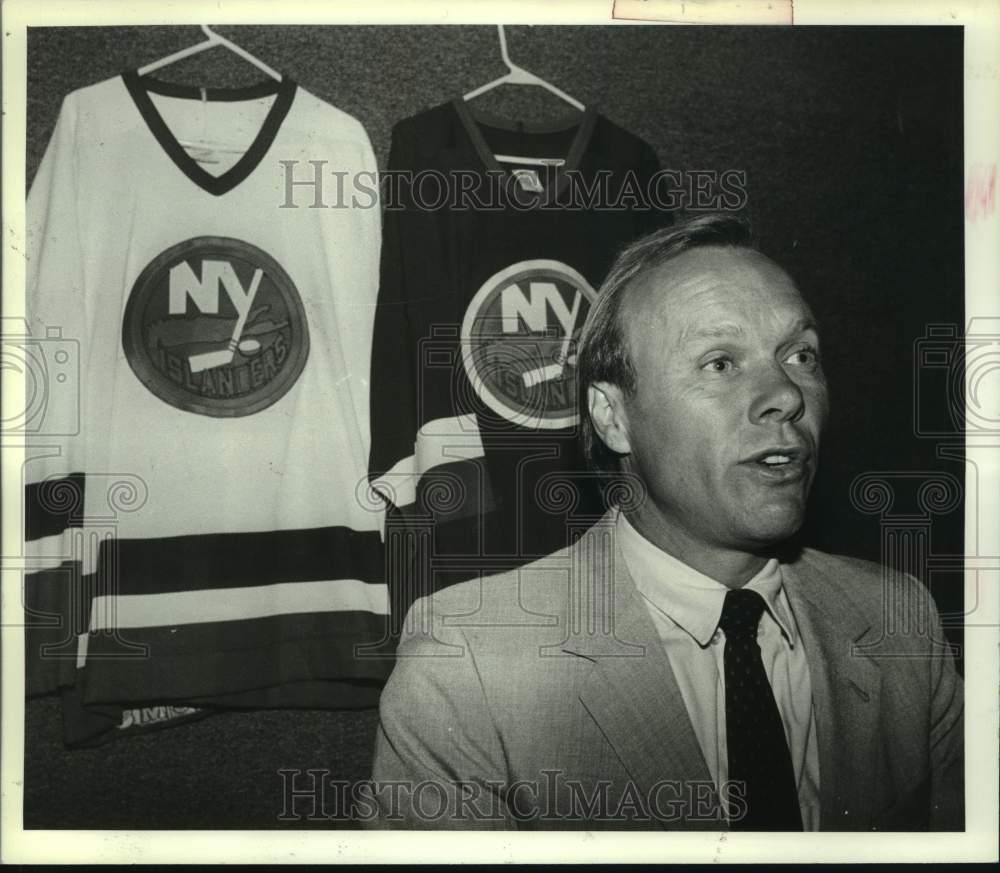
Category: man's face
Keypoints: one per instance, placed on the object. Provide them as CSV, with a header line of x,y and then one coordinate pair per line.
x,y
725,423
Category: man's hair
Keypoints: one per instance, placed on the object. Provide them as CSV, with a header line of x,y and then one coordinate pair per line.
x,y
602,351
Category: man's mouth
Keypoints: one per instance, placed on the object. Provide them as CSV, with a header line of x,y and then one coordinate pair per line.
x,y
780,463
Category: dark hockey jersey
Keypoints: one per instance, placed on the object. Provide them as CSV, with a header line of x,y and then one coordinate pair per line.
x,y
488,270
196,480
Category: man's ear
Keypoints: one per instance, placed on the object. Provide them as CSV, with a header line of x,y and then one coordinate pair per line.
x,y
606,405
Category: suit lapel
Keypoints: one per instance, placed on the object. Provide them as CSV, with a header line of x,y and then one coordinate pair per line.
x,y
846,689
631,691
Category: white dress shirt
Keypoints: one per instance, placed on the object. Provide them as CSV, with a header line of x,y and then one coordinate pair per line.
x,y
685,606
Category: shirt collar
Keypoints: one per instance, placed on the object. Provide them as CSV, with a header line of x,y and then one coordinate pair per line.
x,y
692,600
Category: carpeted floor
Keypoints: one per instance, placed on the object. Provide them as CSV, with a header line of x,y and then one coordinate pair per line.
x,y
220,772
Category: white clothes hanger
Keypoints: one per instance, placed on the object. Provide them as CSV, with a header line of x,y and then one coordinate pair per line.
x,y
205,147
516,75
213,40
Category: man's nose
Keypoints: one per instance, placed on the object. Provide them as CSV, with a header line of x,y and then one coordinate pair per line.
x,y
776,397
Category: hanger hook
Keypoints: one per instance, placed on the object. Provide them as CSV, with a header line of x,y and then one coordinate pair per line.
x,y
211,34
504,54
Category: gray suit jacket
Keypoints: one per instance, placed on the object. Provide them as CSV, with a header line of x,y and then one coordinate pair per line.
x,y
542,698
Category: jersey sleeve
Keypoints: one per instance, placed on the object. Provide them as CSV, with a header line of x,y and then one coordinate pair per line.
x,y
361,292
392,466
54,298
52,350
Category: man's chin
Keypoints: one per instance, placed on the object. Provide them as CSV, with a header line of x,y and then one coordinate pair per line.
x,y
772,526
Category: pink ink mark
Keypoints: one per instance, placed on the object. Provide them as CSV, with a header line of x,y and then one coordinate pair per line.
x,y
981,192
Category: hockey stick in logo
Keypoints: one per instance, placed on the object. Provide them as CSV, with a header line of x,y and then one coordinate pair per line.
x,y
208,360
551,371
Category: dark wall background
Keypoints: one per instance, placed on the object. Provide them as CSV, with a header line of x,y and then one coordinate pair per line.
x,y
851,139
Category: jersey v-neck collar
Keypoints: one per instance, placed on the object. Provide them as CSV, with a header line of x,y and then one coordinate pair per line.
x,y
584,124
139,87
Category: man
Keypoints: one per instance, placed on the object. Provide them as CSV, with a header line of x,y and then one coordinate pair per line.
x,y
684,664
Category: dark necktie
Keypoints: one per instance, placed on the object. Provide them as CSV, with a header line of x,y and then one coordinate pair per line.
x,y
755,736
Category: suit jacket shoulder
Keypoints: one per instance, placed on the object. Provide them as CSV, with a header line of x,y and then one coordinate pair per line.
x,y
542,582
862,595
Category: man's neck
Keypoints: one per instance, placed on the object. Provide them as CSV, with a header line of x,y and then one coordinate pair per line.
x,y
730,567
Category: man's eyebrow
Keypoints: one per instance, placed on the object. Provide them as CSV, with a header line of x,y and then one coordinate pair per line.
x,y
726,330
713,331
804,324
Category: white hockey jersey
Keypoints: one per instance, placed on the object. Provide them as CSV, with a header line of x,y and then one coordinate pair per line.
x,y
205,333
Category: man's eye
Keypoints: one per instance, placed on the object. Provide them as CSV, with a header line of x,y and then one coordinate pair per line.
x,y
803,357
718,365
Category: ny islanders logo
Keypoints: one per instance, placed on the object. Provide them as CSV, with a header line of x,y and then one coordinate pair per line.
x,y
519,342
215,326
